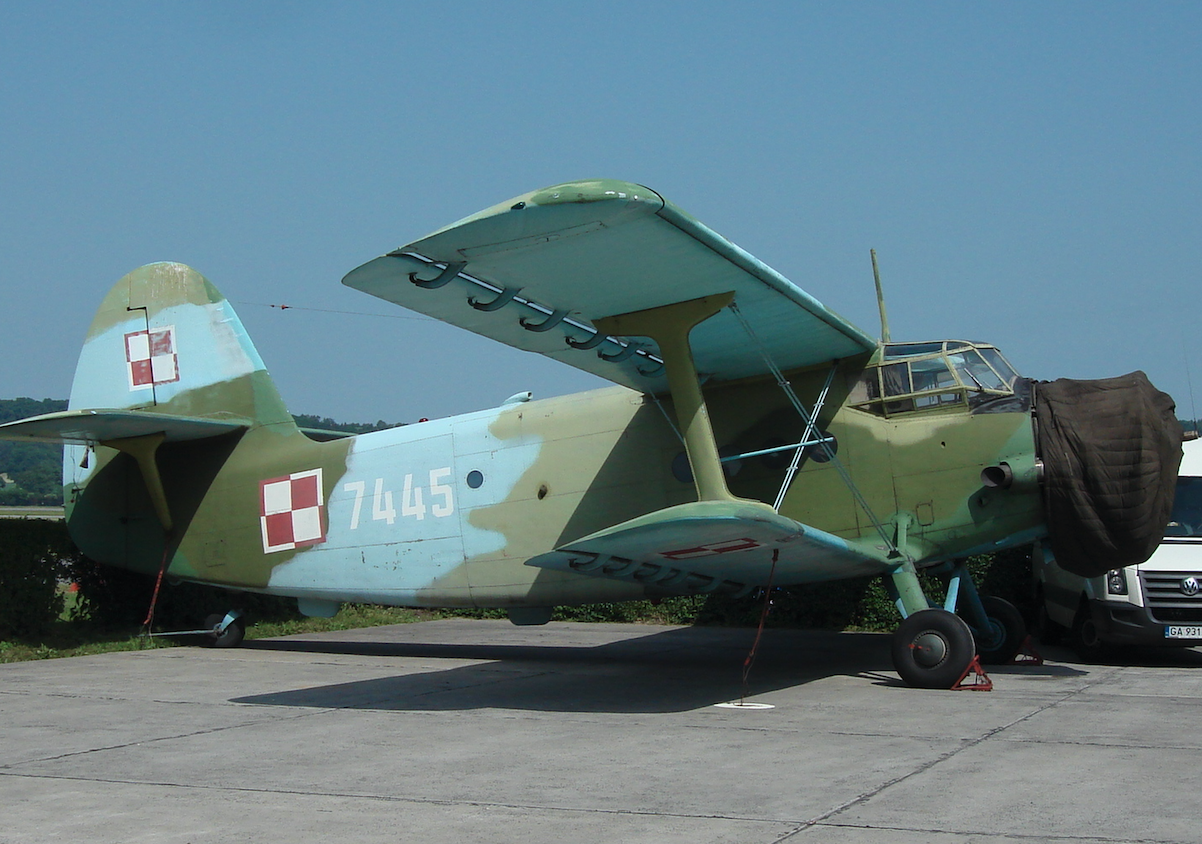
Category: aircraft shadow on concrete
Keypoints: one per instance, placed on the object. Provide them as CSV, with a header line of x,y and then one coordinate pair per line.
x,y
670,671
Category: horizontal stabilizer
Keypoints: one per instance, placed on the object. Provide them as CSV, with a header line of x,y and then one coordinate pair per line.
x,y
88,427
538,271
707,545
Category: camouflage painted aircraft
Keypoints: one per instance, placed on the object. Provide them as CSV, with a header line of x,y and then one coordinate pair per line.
x,y
752,437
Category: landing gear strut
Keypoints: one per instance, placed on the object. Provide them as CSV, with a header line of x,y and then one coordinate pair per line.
x,y
1004,633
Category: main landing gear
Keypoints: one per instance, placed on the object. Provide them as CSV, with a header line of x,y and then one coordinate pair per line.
x,y
933,647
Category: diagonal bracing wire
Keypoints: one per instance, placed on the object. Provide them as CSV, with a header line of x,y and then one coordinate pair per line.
x,y
811,423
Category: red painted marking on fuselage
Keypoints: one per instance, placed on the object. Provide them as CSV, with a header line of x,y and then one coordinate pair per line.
x,y
291,513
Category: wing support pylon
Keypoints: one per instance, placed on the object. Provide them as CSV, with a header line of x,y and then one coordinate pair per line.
x,y
136,433
669,327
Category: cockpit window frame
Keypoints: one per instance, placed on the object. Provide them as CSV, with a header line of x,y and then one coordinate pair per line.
x,y
958,374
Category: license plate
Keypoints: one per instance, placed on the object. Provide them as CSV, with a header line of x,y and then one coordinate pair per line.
x,y
1175,632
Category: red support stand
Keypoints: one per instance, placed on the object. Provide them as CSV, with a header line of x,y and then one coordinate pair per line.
x,y
980,680
1027,655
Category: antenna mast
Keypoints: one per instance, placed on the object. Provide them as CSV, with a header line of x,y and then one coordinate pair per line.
x,y
880,298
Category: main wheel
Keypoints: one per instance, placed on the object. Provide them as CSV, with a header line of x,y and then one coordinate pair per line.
x,y
932,649
231,637
1007,630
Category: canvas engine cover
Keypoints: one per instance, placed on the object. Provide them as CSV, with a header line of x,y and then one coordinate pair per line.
x,y
1111,449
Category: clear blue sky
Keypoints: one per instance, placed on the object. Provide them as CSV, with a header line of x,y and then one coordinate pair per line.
x,y
1029,173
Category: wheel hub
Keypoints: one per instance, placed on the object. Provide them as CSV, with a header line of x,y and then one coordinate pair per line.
x,y
995,635
929,648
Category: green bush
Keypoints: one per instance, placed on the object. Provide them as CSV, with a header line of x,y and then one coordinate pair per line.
x,y
859,604
864,603
35,555
37,558
115,599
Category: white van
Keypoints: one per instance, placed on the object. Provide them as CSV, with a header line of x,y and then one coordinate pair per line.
x,y
1158,602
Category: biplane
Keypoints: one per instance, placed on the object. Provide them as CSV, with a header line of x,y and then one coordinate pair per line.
x,y
751,437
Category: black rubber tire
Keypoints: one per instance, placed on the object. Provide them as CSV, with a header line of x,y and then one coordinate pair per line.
x,y
1047,631
231,638
932,649
1008,632
1085,638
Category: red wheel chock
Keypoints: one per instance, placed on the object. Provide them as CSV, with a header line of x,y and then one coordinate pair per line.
x,y
1027,655
980,680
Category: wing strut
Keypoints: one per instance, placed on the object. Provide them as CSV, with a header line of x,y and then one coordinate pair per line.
x,y
669,327
811,426
143,450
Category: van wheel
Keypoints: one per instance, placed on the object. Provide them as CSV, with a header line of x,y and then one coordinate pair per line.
x,y
1085,637
1048,631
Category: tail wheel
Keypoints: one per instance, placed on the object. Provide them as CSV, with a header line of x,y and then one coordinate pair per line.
x,y
1000,643
231,637
932,649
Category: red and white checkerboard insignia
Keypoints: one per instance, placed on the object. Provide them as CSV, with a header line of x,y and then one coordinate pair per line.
x,y
150,357
712,549
291,511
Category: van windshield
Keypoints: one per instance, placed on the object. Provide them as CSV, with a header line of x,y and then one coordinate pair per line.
x,y
1187,509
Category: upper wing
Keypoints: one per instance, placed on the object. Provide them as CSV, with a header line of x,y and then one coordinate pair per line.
x,y
708,545
536,271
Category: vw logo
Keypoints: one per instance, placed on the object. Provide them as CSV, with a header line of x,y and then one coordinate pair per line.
x,y
1189,586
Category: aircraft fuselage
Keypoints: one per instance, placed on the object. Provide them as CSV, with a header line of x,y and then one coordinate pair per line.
x,y
447,512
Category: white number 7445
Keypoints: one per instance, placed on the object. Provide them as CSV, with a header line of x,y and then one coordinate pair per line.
x,y
441,497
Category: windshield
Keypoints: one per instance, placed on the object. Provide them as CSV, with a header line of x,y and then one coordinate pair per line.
x,y
1187,509
921,376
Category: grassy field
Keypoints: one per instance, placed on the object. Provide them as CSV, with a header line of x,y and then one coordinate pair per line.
x,y
31,512
73,638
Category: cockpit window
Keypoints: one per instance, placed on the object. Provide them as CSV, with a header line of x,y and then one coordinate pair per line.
x,y
1000,365
975,372
897,379
921,376
905,350
1187,509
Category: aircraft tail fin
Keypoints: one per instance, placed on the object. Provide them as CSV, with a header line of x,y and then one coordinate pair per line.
x,y
165,341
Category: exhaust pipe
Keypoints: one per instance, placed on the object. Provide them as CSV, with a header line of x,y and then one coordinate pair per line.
x,y
1022,474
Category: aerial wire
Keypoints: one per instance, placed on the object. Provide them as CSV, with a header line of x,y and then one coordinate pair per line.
x,y
332,311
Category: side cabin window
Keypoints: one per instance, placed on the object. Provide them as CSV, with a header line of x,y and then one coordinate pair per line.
x,y
912,377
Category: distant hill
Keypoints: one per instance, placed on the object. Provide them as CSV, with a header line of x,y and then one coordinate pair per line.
x,y
32,473
325,423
